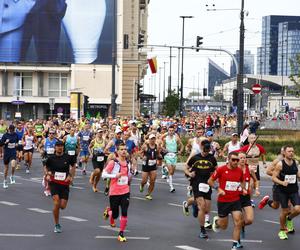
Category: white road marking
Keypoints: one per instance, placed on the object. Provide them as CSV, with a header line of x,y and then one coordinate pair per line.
x,y
8,203
129,238
230,240
74,218
164,182
22,235
115,229
271,221
138,198
38,210
74,187
174,205
187,248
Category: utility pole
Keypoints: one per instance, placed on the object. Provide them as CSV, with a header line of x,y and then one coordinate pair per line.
x,y
114,61
170,75
159,88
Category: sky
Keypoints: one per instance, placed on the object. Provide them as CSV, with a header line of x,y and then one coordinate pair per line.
x,y
219,29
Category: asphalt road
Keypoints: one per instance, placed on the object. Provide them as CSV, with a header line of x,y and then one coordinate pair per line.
x,y
27,223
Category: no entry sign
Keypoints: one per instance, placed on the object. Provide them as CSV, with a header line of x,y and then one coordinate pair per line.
x,y
256,88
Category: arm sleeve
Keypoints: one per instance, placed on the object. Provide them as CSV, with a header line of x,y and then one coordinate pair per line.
x,y
107,171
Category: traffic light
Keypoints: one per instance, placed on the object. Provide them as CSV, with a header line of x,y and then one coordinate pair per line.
x,y
199,42
234,97
85,104
205,92
141,40
139,90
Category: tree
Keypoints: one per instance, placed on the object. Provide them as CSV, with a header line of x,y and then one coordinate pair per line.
x,y
295,69
172,104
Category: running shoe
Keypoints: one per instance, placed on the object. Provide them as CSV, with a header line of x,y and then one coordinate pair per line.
x,y
5,185
172,190
12,179
203,235
195,210
135,172
239,245
189,191
149,197
27,170
105,213
106,191
113,224
215,227
263,202
252,203
18,167
47,193
185,208
234,247
290,226
57,228
141,188
83,172
282,235
164,176
207,225
121,237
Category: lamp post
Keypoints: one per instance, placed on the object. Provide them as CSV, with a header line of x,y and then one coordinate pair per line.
x,y
182,57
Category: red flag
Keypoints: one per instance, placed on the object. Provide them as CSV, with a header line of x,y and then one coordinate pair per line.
x,y
153,65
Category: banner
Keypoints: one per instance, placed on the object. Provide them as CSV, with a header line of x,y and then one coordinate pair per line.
x,y
153,65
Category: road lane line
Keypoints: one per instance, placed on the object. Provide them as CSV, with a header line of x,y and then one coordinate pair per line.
x,y
8,203
74,218
115,229
187,248
138,198
174,205
22,235
230,240
129,238
39,210
271,221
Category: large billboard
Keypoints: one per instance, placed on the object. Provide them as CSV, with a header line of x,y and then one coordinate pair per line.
x,y
56,31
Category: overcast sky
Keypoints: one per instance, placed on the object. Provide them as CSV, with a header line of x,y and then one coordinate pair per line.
x,y
219,29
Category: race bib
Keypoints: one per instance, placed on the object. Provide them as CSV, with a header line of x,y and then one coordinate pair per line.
x,y
1,135
171,155
232,186
100,158
50,151
151,162
60,176
11,145
291,179
72,152
20,142
86,137
203,187
123,180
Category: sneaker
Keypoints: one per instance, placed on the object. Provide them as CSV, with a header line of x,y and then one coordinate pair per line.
x,y
164,176
113,224
18,167
207,225
195,210
5,185
185,208
57,228
172,190
215,227
135,172
252,203
239,245
121,237
106,191
12,180
105,213
189,191
141,188
47,193
203,235
27,171
290,226
282,235
263,202
234,247
83,172
148,197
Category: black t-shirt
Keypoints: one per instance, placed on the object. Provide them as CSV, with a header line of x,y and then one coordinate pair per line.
x,y
60,164
203,167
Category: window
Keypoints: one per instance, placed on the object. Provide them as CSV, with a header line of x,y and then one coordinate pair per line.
x,y
58,84
23,84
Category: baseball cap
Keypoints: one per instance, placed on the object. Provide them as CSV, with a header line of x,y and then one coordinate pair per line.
x,y
118,130
152,136
234,134
209,133
99,130
59,143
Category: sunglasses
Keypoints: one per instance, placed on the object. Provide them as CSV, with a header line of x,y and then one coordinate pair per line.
x,y
235,159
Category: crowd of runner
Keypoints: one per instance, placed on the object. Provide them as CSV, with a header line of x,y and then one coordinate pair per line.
x,y
122,148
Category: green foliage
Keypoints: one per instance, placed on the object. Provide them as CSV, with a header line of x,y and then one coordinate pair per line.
x,y
172,104
295,69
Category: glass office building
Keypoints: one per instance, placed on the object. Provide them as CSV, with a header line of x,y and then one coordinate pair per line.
x,y
215,76
248,63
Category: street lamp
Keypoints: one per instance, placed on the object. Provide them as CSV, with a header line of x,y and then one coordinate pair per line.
x,y
182,57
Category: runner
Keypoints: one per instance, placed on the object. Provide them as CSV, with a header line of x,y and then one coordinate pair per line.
x,y
199,168
3,130
230,178
118,171
20,132
85,137
285,175
96,149
231,146
171,143
29,140
59,177
9,140
150,152
39,131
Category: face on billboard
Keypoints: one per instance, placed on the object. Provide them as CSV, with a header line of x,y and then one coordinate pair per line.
x,y
56,31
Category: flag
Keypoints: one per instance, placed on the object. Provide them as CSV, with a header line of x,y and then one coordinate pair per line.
x,y
153,65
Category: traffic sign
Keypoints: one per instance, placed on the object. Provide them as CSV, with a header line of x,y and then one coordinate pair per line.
x,y
256,88
18,102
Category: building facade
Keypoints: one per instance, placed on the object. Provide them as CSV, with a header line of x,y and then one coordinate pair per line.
x,y
248,63
215,76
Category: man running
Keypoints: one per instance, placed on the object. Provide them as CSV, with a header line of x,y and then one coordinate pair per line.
x,y
85,136
20,133
59,168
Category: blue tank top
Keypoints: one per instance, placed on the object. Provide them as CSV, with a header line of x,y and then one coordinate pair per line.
x,y
20,133
113,148
71,143
49,146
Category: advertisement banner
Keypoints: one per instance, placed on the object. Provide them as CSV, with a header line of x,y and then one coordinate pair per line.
x,y
56,31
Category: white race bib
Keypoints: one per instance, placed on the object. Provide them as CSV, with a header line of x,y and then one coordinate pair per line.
x,y
100,158
171,155
123,180
232,185
60,176
203,187
291,179
71,152
20,142
86,137
11,145
50,151
151,162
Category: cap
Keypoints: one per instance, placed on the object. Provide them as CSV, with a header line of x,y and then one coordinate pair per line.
x,y
99,130
59,143
118,130
209,133
152,136
235,134
51,131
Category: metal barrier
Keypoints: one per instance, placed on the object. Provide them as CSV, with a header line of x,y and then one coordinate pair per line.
x,y
281,124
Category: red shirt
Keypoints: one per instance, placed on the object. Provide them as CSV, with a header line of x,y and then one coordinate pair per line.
x,y
247,179
230,181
